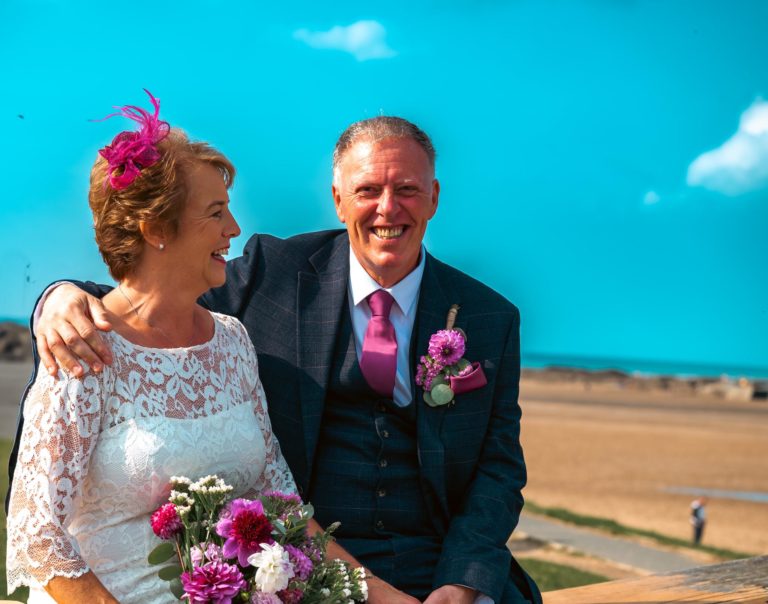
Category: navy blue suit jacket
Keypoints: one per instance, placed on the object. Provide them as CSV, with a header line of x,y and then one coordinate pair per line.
x,y
290,293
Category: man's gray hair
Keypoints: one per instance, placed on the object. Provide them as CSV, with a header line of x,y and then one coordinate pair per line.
x,y
376,129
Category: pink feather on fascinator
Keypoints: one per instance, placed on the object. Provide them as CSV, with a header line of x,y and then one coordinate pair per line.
x,y
129,152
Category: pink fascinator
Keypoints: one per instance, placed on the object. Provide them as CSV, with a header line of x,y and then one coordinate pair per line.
x,y
129,152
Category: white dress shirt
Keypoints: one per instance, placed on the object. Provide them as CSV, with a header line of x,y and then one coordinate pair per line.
x,y
403,315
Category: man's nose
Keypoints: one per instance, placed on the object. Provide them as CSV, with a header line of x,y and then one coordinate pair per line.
x,y
387,202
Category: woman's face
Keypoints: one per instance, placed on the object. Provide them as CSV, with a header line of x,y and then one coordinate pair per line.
x,y
205,227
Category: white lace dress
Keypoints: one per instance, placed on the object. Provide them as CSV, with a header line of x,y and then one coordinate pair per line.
x,y
97,454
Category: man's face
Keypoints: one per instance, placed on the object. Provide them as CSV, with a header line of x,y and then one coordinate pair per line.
x,y
385,192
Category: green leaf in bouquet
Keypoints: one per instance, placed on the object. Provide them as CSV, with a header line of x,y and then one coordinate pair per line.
x,y
439,379
279,528
308,510
162,553
461,365
177,589
428,399
169,573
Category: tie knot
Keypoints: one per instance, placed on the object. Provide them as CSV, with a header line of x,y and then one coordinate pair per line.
x,y
380,303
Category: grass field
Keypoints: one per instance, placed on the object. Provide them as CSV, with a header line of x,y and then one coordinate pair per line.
x,y
550,576
614,528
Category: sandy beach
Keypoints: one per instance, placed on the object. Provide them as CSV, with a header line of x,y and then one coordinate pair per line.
x,y
13,378
605,451
612,452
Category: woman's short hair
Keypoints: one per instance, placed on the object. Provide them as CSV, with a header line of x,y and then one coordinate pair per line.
x,y
157,196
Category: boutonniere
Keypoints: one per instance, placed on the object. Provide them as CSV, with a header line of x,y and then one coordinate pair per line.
x,y
444,372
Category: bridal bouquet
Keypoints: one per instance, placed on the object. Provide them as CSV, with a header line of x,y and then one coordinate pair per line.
x,y
220,550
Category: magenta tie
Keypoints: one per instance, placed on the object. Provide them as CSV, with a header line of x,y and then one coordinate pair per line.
x,y
378,361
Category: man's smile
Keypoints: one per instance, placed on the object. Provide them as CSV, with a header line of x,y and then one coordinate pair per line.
x,y
391,232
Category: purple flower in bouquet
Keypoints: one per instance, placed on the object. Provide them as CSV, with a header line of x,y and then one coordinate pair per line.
x,y
205,552
259,597
245,527
216,582
446,346
285,497
302,565
291,596
166,522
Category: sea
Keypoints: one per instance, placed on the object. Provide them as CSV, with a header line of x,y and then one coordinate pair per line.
x,y
643,366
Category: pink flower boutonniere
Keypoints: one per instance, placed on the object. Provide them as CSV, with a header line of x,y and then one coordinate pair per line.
x,y
444,372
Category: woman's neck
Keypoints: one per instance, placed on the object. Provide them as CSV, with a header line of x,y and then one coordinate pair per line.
x,y
158,313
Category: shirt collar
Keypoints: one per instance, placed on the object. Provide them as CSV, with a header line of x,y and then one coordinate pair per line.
x,y
405,292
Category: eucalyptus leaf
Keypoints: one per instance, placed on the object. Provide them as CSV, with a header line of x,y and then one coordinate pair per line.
x,y
441,394
169,573
428,399
462,364
162,553
309,510
177,589
279,527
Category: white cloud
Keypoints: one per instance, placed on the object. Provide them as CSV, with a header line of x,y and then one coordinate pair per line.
x,y
651,197
364,40
740,164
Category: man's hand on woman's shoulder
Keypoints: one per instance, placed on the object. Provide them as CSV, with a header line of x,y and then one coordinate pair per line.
x,y
68,331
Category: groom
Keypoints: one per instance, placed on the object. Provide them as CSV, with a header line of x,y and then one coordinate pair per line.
x,y
427,496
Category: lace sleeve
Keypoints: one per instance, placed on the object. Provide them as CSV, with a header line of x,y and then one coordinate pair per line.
x,y
277,475
62,419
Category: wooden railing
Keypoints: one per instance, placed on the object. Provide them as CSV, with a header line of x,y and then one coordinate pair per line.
x,y
744,581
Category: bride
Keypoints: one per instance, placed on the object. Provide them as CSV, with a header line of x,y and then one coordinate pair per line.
x,y
182,396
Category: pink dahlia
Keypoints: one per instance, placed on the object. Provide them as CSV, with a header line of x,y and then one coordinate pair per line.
x,y
244,526
446,346
166,522
215,582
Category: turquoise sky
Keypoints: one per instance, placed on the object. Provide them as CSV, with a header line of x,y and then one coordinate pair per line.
x,y
603,164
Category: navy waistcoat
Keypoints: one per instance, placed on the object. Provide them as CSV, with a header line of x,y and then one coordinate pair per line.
x,y
367,477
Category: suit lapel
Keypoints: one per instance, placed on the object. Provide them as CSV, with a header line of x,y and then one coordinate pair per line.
x,y
321,297
432,310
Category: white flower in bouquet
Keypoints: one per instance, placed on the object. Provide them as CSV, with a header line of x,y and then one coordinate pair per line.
x,y
273,568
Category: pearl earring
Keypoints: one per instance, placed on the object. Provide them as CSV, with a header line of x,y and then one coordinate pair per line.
x,y
162,246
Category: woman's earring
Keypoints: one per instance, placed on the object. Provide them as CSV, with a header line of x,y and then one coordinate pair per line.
x,y
162,246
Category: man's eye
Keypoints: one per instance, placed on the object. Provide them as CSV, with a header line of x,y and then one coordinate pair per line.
x,y
408,190
218,214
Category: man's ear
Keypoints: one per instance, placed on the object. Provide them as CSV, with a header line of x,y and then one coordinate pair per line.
x,y
435,196
154,234
336,192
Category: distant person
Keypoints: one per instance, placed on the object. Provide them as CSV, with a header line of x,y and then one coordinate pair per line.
x,y
698,518
427,495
